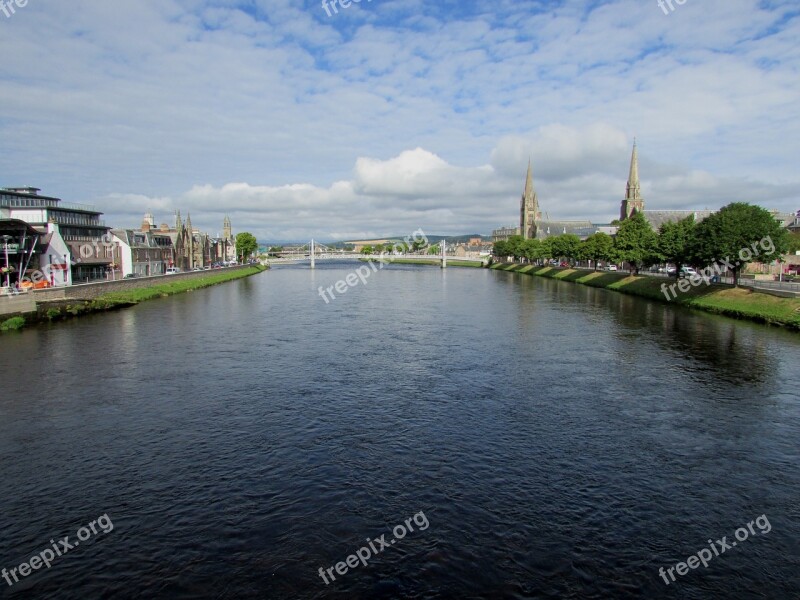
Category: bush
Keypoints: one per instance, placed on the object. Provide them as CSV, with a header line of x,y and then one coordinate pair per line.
x,y
12,324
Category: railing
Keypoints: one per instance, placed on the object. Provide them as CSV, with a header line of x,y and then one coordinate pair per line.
x,y
772,285
75,206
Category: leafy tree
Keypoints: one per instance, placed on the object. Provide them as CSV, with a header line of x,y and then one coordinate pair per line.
x,y
515,245
675,242
794,242
435,249
367,250
565,246
596,247
635,242
499,249
532,249
547,248
737,235
246,244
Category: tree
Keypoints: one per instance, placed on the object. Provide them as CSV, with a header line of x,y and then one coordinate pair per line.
x,y
532,249
737,235
635,242
367,250
675,242
514,246
597,247
794,242
565,246
435,249
246,244
547,248
499,248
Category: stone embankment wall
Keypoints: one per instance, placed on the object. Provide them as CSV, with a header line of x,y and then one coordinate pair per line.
x,y
90,291
30,302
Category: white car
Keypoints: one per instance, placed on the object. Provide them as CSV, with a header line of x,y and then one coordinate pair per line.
x,y
611,268
172,271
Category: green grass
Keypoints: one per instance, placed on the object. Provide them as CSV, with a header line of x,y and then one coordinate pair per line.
x,y
115,300
12,324
170,288
741,303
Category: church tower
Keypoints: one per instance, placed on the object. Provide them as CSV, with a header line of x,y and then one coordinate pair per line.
x,y
529,208
227,230
190,239
633,201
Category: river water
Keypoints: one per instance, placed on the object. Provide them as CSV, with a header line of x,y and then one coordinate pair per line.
x,y
532,438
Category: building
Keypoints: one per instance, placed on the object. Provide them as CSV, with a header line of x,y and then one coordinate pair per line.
x,y
73,243
501,234
144,252
533,226
529,213
633,202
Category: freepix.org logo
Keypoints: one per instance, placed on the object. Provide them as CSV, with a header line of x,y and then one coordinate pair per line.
x,y
9,7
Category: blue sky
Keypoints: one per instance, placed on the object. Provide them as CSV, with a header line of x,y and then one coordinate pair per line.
x,y
395,115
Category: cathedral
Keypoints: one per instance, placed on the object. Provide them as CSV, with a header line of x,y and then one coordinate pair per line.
x,y
196,249
533,226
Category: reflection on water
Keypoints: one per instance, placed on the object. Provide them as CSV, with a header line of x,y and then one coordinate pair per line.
x,y
563,442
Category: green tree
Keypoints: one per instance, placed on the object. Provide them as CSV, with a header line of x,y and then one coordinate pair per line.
x,y
367,250
675,242
532,249
597,247
435,249
499,249
547,248
565,246
794,242
737,235
246,244
635,242
514,246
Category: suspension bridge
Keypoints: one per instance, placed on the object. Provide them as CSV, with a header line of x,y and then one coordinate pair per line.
x,y
314,251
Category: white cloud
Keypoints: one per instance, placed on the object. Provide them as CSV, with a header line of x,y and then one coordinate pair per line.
x,y
395,115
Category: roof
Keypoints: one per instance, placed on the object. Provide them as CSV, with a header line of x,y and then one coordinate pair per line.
x,y
657,218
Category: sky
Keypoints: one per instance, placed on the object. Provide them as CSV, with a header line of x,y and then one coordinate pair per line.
x,y
386,116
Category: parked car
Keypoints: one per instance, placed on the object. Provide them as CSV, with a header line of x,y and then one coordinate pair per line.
x,y
687,272
130,275
173,271
611,267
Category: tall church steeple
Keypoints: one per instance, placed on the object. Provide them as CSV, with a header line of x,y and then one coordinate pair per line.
x,y
633,201
227,230
529,207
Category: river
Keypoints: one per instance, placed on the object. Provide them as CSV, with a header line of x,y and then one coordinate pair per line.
x,y
531,439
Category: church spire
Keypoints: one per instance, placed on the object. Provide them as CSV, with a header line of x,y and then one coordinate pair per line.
x,y
633,201
529,207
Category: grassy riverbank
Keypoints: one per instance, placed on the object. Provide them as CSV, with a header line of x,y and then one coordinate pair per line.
x,y
176,287
740,303
64,309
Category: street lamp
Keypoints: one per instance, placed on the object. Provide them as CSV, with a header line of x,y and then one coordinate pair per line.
x,y
5,247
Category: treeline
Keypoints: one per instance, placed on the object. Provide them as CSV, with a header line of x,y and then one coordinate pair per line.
x,y
738,234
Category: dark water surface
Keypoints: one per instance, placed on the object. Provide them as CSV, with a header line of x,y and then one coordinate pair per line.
x,y
558,441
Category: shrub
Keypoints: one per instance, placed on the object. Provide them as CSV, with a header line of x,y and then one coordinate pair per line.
x,y
12,324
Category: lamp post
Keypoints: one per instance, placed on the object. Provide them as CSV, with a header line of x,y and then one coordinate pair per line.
x,y
5,248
